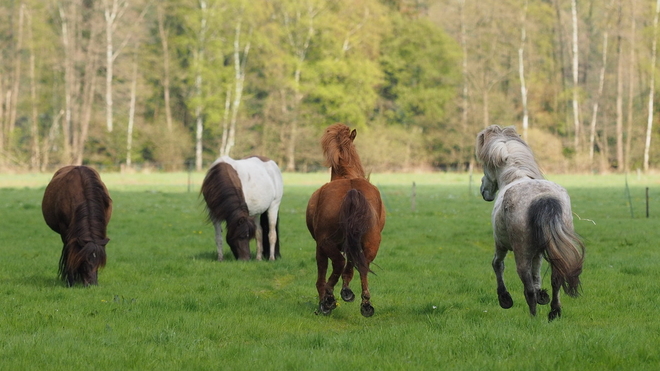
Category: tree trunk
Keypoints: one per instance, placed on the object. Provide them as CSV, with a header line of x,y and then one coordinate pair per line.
x,y
464,71
649,124
594,117
576,105
198,86
631,91
239,77
17,71
35,155
166,67
521,72
300,51
131,114
67,42
619,97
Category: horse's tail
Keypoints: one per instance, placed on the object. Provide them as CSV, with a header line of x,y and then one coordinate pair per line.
x,y
561,246
356,217
265,242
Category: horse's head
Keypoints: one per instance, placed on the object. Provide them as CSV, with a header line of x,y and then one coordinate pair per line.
x,y
85,263
239,234
489,186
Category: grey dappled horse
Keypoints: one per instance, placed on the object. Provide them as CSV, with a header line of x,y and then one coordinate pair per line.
x,y
532,217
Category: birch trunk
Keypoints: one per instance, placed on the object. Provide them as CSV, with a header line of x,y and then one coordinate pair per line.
x,y
166,67
649,124
198,86
576,105
631,91
131,115
239,77
521,72
35,155
464,71
300,51
619,100
601,83
17,71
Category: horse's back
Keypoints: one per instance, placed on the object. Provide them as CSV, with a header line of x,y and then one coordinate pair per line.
x,y
70,187
261,181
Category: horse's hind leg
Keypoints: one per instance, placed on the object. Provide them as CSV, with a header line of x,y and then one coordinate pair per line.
x,y
541,294
503,295
555,305
218,239
258,234
524,268
366,308
346,293
326,288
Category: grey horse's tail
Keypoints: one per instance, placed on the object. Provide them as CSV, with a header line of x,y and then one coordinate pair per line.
x,y
356,217
561,246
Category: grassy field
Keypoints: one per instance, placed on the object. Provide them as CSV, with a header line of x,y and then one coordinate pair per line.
x,y
164,303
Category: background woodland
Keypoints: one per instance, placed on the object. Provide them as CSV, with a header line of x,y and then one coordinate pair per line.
x,y
173,84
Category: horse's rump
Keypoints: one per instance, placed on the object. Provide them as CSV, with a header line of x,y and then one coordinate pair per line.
x,y
325,207
555,237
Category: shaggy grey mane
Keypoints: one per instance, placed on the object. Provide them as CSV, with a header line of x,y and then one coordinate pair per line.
x,y
503,149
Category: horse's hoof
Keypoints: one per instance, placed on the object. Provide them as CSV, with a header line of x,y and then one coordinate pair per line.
x,y
327,305
367,310
554,314
542,297
347,295
505,299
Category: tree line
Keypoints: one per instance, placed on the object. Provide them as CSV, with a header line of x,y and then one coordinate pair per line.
x,y
176,83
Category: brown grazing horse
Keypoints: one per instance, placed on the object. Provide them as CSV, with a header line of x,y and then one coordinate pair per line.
x,y
77,205
346,217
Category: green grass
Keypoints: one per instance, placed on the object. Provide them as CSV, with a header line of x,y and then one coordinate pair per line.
x,y
164,303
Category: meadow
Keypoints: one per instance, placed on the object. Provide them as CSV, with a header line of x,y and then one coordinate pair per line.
x,y
165,303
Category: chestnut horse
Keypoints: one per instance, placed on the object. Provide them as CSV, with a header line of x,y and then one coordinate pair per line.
x,y
346,217
531,217
229,188
77,205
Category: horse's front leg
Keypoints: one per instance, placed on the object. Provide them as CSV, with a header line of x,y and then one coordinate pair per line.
x,y
218,239
258,233
503,295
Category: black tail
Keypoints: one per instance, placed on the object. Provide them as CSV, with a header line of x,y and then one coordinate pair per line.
x,y
561,246
356,217
265,228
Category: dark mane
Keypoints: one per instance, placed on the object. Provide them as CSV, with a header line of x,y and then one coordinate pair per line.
x,y
86,237
225,201
340,153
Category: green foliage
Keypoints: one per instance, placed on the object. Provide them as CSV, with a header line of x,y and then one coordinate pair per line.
x,y
163,302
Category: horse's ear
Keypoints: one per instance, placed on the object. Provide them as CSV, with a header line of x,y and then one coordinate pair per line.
x,y
353,134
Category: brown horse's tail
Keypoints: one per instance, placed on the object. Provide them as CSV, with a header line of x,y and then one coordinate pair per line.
x,y
561,246
356,217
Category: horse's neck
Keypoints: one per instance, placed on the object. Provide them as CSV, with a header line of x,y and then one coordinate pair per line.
x,y
347,172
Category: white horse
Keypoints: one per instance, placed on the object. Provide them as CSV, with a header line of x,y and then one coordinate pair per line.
x,y
532,217
262,187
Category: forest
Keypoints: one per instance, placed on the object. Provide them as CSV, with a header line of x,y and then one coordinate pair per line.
x,y
173,84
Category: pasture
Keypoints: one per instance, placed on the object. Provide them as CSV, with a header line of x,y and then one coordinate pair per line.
x,y
164,303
